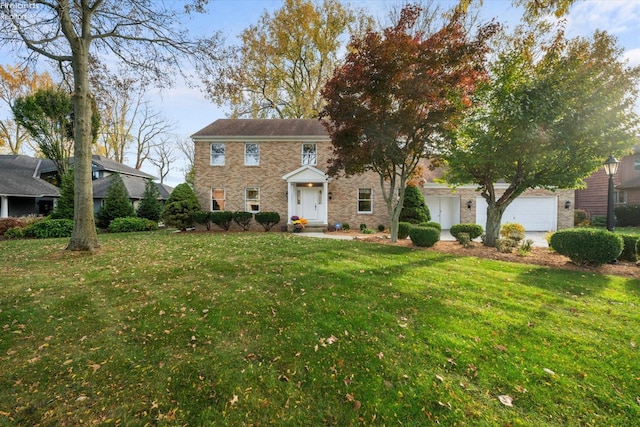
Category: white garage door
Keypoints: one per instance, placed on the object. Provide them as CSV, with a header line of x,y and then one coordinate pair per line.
x,y
444,210
533,213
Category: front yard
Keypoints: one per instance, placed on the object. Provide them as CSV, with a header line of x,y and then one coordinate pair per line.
x,y
270,328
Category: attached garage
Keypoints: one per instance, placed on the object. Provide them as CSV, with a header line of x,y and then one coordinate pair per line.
x,y
444,210
533,213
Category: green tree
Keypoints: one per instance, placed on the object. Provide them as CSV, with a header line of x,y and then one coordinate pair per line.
x,y
396,95
143,34
547,119
414,208
282,62
117,203
181,207
150,206
64,208
47,117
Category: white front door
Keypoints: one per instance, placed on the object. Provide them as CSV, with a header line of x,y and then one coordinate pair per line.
x,y
310,206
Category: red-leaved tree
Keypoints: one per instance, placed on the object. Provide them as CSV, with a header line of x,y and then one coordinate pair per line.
x,y
397,96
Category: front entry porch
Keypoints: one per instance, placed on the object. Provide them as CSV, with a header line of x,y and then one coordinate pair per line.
x,y
307,196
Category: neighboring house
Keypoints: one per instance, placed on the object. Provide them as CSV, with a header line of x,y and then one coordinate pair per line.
x,y
280,165
22,192
25,187
102,171
593,199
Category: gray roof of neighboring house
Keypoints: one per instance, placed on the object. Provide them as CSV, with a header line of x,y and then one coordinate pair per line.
x,y
19,177
134,185
102,163
263,127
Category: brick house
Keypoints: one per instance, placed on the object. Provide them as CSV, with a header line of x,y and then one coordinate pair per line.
x,y
280,165
593,198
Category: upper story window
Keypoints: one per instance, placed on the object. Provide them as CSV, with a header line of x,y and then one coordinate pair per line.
x,y
365,204
217,154
309,154
636,163
251,154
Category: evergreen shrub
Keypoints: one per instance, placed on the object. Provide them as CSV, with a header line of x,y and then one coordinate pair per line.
x,y
203,218
414,208
474,230
627,215
267,219
15,233
150,206
630,248
132,224
222,219
180,208
50,228
430,224
116,204
243,219
403,230
587,246
424,236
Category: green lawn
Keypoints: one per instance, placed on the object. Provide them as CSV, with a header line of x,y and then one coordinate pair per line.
x,y
275,329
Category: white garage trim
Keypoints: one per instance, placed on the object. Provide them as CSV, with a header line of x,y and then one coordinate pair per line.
x,y
533,213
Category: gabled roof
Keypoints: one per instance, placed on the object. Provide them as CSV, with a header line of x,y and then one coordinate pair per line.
x,y
285,129
19,177
102,163
134,185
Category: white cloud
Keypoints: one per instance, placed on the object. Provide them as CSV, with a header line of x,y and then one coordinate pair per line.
x,y
615,16
633,55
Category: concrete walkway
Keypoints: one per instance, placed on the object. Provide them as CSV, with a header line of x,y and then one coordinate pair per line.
x,y
538,237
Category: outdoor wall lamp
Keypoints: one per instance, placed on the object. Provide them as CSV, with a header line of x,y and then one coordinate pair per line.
x,y
330,195
567,204
469,204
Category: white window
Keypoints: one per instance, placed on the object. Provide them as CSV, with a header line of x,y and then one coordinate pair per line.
x,y
309,154
620,197
251,154
217,154
218,197
365,204
252,199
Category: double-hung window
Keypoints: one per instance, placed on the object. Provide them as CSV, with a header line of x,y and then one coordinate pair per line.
x,y
251,154
309,154
218,196
365,200
217,154
252,199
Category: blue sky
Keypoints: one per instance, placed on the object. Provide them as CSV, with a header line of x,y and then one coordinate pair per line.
x,y
191,110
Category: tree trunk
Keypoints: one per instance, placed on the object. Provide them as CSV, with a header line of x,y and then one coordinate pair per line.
x,y
84,236
494,219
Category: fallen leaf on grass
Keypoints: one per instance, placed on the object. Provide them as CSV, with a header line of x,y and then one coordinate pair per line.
x,y
234,399
549,371
506,400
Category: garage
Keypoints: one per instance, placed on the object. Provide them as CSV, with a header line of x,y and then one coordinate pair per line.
x,y
533,213
444,210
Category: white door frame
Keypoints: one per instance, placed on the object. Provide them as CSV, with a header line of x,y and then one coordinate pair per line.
x,y
311,177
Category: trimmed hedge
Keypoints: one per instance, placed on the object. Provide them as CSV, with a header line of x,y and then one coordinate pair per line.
x,y
431,224
627,215
50,228
474,230
267,219
587,246
424,236
630,250
202,218
403,230
222,219
132,224
243,219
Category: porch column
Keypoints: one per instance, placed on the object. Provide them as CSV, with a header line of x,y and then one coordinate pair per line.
x,y
4,207
325,200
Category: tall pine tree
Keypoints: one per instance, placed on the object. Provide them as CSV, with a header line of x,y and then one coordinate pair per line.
x,y
116,205
150,206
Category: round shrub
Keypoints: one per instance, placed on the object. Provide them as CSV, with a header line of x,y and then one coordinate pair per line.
x,y
50,228
630,248
587,246
132,224
403,230
431,224
424,236
222,219
180,207
381,227
474,230
512,231
267,219
202,218
243,219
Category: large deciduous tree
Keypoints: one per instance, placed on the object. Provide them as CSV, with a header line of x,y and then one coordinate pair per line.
x,y
398,93
283,61
547,119
147,35
16,82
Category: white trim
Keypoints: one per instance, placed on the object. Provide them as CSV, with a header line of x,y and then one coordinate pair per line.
x,y
211,154
369,212
263,138
245,153
306,173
